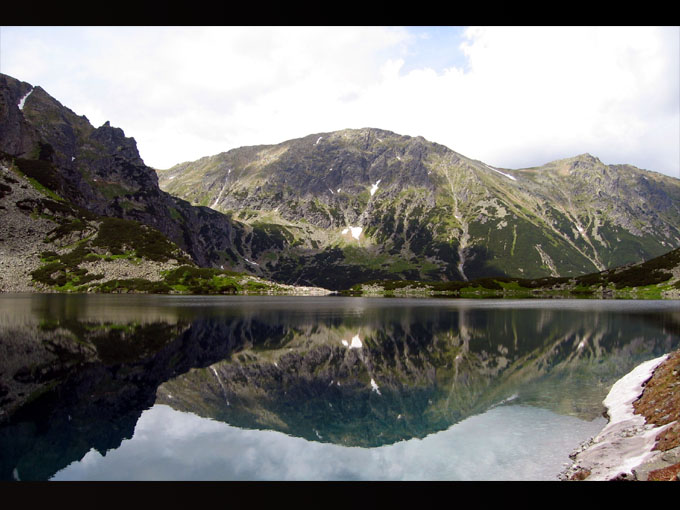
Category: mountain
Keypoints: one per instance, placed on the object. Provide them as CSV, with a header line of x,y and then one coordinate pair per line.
x,y
82,212
329,210
101,171
366,204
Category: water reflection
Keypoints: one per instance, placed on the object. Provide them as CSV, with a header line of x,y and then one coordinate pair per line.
x,y
506,443
77,372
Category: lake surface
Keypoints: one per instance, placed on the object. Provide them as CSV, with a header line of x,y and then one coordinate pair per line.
x,y
137,387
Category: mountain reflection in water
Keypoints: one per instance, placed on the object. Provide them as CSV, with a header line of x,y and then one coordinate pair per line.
x,y
78,371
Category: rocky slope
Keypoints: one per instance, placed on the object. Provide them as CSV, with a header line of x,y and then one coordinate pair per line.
x,y
373,204
47,243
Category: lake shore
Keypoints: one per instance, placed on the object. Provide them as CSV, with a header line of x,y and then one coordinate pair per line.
x,y
641,442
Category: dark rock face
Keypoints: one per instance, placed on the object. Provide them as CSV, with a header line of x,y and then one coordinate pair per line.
x,y
16,135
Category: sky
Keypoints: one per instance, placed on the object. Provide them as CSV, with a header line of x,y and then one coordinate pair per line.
x,y
512,97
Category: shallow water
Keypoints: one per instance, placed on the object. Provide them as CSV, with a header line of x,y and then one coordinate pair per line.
x,y
307,388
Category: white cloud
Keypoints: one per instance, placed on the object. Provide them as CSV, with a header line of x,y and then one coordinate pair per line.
x,y
525,96
572,90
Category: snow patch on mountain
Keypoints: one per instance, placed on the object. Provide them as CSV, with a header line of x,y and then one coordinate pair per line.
x,y
355,344
22,101
502,173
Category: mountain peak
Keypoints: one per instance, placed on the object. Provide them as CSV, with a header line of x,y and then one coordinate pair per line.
x,y
586,157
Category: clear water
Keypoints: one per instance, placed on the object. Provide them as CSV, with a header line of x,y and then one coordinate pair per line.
x,y
270,388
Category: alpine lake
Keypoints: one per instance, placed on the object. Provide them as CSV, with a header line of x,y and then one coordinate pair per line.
x,y
162,387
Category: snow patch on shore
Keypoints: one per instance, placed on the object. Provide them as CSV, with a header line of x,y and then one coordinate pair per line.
x,y
627,440
619,401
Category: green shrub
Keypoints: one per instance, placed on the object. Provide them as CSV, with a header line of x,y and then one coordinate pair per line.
x,y
135,285
639,276
49,256
119,236
44,274
75,225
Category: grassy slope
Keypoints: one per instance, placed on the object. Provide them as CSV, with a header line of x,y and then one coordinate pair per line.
x,y
657,278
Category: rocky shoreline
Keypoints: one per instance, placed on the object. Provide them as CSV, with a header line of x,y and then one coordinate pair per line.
x,y
641,442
